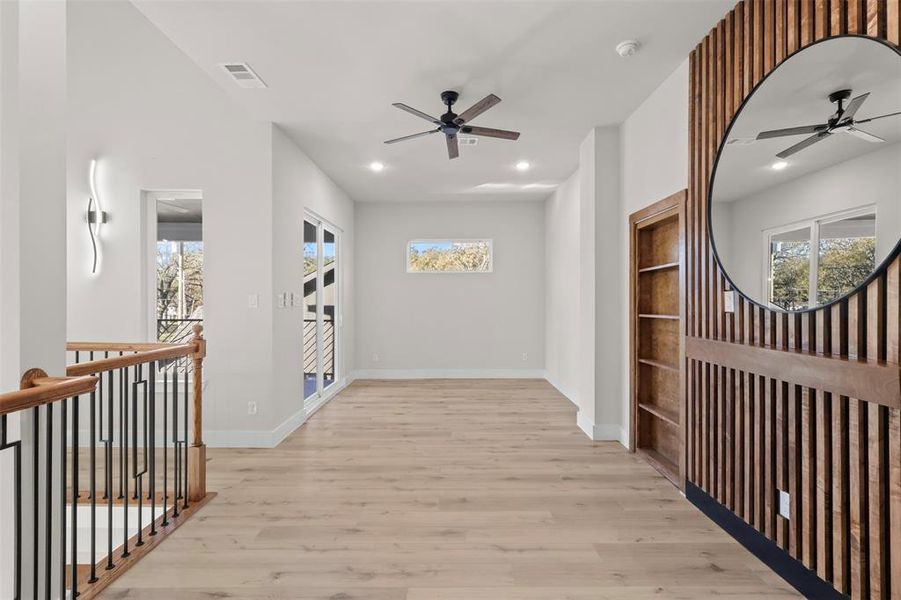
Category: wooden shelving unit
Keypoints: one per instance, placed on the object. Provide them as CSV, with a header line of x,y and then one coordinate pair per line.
x,y
656,308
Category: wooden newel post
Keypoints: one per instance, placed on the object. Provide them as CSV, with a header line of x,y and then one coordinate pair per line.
x,y
197,451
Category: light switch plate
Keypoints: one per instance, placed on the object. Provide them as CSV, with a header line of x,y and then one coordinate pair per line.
x,y
253,301
784,504
296,299
282,300
729,301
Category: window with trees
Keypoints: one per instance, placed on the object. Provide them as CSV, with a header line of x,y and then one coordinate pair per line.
x,y
449,256
813,263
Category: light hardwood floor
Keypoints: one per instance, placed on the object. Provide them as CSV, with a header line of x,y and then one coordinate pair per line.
x,y
445,490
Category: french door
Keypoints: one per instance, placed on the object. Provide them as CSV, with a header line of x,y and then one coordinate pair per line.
x,y
321,309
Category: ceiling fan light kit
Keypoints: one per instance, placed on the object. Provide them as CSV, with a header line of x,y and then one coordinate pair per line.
x,y
452,124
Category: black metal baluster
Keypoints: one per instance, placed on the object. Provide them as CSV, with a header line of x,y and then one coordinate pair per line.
x,y
176,483
16,447
75,402
121,431
152,494
108,454
184,488
35,467
123,468
138,475
48,504
63,446
165,447
93,482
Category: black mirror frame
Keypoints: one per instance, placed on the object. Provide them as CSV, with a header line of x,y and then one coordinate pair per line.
x,y
881,268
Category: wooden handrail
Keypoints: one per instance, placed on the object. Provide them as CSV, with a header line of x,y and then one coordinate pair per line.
x,y
129,360
115,346
39,389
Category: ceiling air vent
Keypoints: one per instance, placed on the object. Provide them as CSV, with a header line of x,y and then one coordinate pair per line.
x,y
243,75
463,140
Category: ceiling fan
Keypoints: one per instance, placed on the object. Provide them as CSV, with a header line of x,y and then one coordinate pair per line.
x,y
451,124
841,122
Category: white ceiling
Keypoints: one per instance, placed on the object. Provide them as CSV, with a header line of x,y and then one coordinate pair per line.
x,y
796,94
334,68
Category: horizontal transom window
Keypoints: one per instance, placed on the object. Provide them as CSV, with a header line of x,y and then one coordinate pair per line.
x,y
449,256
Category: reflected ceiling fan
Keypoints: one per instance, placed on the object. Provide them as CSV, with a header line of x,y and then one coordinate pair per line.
x,y
451,124
841,122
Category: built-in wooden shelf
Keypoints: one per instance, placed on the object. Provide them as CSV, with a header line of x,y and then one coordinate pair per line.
x,y
665,466
655,306
664,266
658,364
670,416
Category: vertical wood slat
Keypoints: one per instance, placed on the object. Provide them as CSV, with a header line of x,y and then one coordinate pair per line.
x,y
877,435
840,487
893,355
857,459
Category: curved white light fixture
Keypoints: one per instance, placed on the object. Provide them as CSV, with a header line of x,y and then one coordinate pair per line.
x,y
95,217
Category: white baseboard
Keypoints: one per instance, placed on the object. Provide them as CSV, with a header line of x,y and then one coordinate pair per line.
x,y
569,396
449,374
267,439
603,432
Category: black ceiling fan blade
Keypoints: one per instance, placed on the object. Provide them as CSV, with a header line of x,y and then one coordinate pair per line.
x,y
476,109
503,134
804,144
775,133
417,113
854,106
453,148
411,137
894,114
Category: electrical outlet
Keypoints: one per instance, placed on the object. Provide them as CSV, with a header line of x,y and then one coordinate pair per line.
x,y
253,301
784,504
251,408
375,357
525,356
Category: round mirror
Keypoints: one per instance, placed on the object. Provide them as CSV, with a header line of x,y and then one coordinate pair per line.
x,y
805,197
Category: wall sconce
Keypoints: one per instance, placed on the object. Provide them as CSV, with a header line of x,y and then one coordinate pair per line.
x,y
95,217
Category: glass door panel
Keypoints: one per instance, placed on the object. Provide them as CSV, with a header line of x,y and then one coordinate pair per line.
x,y
329,305
310,297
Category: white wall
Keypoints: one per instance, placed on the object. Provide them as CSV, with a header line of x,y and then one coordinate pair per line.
x,y
873,178
477,324
654,162
156,121
561,293
298,185
582,253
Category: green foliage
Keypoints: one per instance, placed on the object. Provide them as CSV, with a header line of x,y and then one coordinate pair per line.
x,y
459,257
844,263
791,274
169,280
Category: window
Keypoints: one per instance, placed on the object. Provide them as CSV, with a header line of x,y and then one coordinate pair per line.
x,y
179,264
449,256
813,263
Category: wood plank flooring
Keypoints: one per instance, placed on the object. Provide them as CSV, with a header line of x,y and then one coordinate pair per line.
x,y
445,490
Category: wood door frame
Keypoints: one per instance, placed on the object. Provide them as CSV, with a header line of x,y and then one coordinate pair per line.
x,y
674,204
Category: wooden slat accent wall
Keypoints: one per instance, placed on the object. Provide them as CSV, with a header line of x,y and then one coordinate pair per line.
x,y
753,432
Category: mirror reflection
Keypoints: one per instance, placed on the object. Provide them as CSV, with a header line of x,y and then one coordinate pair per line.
x,y
805,201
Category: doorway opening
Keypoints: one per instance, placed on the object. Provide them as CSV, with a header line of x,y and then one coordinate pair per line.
x,y
321,310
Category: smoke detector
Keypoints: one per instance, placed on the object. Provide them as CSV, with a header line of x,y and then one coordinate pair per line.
x,y
627,48
243,75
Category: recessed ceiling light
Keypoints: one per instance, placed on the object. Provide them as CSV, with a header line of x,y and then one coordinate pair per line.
x,y
523,165
376,167
779,165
